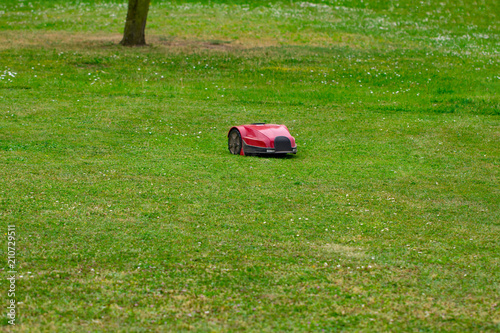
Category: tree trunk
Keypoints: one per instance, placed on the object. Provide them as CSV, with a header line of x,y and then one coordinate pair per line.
x,y
136,23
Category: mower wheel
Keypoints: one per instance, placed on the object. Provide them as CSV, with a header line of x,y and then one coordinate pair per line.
x,y
234,142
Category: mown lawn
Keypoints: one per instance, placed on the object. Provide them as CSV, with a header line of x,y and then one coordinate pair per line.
x,y
131,215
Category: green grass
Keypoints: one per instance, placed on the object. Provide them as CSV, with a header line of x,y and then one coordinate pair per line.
x,y
131,215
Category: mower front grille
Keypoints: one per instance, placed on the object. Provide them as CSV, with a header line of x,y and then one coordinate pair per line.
x,y
282,143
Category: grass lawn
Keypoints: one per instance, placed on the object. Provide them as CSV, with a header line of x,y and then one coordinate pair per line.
x,y
131,215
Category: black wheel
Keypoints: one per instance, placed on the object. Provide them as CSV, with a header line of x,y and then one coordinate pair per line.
x,y
234,142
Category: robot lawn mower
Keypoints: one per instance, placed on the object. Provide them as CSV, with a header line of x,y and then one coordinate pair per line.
x,y
261,139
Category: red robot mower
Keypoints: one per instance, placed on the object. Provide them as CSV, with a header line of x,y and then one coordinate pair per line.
x,y
261,139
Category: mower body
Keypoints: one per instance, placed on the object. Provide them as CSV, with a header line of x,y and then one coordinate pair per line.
x,y
263,139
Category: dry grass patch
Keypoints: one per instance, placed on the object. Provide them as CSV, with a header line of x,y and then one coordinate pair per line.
x,y
339,249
